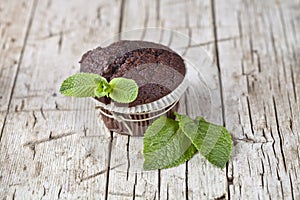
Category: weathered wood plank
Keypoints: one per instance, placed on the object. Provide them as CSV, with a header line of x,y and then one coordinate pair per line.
x,y
15,16
54,147
258,70
194,19
126,151
182,182
14,25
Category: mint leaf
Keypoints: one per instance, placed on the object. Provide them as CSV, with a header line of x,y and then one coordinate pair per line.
x,y
212,141
123,90
103,88
165,145
80,85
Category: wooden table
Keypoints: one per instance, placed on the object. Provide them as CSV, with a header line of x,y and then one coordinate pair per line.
x,y
53,147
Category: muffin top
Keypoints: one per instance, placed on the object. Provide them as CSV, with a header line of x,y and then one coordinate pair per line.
x,y
156,69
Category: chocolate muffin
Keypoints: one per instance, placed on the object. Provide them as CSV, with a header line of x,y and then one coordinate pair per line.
x,y
156,69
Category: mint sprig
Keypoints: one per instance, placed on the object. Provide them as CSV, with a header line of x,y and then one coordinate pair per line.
x,y
121,90
169,143
212,141
165,145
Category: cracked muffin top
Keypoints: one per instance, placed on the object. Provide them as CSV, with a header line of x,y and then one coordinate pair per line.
x,y
156,68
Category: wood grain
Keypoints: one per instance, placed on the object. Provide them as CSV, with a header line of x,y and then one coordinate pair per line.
x,y
53,147
48,145
13,34
260,90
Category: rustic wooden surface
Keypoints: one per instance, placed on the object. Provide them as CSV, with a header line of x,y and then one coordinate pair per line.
x,y
53,147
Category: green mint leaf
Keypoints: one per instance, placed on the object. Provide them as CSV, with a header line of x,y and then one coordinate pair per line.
x,y
80,85
99,92
212,141
165,145
103,88
123,90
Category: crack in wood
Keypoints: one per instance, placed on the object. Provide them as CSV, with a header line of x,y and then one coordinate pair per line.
x,y
291,111
22,105
214,41
42,113
14,194
270,84
154,198
85,131
264,135
283,65
167,191
248,85
57,34
50,135
108,164
229,181
93,175
240,27
56,137
279,134
123,194
278,81
56,106
223,197
249,167
34,120
293,83
257,60
187,180
251,45
134,187
59,192
242,127
16,108
158,184
262,174
291,125
32,147
60,41
265,114
44,193
127,157
281,189
291,186
273,145
250,115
